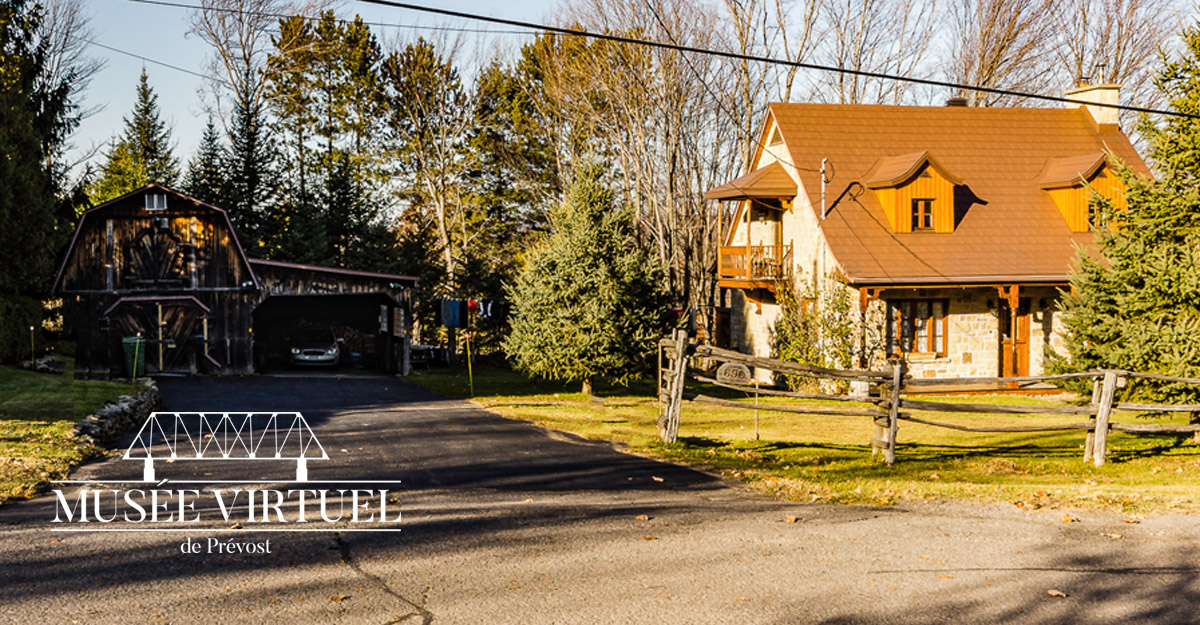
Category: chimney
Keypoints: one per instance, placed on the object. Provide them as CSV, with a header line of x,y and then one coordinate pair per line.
x,y
956,102
1088,96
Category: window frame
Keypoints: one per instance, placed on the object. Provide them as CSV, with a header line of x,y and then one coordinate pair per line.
x,y
935,333
920,216
152,201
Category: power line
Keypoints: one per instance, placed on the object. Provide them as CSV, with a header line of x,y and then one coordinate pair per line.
x,y
181,5
144,58
756,59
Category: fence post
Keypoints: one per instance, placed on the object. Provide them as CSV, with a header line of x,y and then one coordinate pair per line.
x,y
1090,441
1100,443
889,454
670,418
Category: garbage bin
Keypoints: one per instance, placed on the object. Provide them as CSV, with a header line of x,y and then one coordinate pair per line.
x,y
134,347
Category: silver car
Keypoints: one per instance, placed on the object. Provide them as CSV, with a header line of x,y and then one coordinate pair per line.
x,y
315,346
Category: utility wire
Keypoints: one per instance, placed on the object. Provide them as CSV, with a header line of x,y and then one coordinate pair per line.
x,y
181,5
754,58
143,58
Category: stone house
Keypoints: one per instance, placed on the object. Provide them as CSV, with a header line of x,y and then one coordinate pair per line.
x,y
954,229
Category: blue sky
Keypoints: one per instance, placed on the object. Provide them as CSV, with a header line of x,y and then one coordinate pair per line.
x,y
160,33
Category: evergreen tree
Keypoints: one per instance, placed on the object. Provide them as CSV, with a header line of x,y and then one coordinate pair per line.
x,y
1137,306
36,115
142,154
205,178
250,190
588,303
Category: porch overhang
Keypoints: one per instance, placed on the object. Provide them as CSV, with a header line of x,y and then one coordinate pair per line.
x,y
770,182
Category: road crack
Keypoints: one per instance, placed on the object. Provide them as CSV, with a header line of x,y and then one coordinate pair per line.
x,y
418,609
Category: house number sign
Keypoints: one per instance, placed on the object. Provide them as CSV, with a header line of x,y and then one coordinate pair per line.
x,y
733,373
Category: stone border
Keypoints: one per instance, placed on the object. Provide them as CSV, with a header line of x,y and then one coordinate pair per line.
x,y
113,419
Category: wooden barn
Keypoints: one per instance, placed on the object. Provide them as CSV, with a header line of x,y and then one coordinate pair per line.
x,y
166,266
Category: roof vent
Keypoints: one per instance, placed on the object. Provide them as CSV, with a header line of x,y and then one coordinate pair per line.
x,y
956,102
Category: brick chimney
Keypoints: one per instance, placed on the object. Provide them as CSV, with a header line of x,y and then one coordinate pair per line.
x,y
1088,96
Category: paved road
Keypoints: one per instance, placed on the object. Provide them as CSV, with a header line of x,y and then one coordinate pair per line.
x,y
505,522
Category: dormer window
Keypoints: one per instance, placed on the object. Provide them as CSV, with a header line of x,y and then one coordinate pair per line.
x,y
916,192
1070,182
156,201
922,214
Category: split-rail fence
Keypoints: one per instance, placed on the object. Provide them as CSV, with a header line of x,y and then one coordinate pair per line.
x,y
879,396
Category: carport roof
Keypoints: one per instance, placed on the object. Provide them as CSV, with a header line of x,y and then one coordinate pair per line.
x,y
257,262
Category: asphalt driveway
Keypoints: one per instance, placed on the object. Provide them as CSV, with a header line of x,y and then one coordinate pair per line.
x,y
505,522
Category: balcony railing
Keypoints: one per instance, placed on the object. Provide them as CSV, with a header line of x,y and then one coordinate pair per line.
x,y
754,263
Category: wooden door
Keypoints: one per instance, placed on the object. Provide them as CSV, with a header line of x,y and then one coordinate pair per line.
x,y
1014,342
172,330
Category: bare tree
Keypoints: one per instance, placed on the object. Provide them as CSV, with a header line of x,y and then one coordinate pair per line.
x,y
1111,41
239,32
66,30
1001,44
877,36
779,28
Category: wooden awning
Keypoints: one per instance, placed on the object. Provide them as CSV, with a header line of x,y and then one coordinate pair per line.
x,y
771,181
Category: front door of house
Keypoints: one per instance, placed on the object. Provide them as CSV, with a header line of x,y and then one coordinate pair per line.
x,y
1014,339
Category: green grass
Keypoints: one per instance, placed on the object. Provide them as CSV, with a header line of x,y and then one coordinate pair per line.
x,y
828,458
38,412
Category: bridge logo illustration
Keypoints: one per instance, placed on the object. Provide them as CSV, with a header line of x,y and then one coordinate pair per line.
x,y
226,436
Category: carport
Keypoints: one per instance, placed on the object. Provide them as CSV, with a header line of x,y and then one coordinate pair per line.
x,y
368,311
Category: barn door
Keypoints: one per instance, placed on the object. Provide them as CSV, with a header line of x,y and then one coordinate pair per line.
x,y
1014,339
173,331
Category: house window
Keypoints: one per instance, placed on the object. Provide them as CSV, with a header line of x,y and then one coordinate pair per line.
x,y
917,326
922,215
156,201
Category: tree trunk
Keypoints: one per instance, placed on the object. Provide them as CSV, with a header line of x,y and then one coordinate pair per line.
x,y
587,386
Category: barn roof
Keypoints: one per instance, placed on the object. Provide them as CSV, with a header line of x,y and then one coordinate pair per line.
x,y
371,275
105,206
1004,157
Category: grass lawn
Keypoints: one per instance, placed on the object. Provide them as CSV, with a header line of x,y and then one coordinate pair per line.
x,y
38,412
828,458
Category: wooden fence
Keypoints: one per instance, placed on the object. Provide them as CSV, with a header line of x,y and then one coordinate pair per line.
x,y
880,396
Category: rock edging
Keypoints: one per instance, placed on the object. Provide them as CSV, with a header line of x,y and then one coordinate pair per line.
x,y
106,424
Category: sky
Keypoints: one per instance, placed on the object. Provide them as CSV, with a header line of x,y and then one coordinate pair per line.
x,y
160,33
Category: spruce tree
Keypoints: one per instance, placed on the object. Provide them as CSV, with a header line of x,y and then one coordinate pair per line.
x,y
36,115
205,178
588,303
1137,305
142,154
251,189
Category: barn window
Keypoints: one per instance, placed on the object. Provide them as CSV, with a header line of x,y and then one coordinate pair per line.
x,y
156,201
917,326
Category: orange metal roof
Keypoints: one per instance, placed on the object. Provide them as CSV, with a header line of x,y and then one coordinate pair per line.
x,y
771,181
1011,232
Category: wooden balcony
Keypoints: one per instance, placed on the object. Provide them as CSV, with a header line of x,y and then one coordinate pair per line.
x,y
754,266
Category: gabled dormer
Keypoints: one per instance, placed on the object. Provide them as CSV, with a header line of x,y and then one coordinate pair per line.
x,y
916,192
1070,182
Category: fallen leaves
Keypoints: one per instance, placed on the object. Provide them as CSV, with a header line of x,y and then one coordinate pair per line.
x,y
1066,518
791,518
1056,593
1112,535
643,517
339,598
